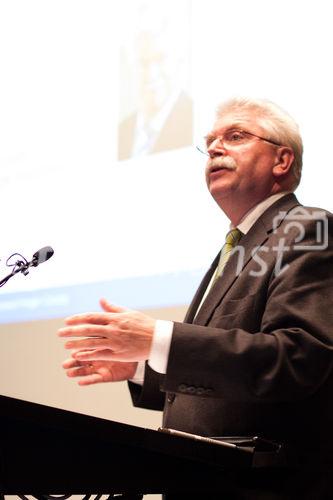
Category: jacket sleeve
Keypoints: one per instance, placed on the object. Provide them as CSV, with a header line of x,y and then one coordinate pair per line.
x,y
149,394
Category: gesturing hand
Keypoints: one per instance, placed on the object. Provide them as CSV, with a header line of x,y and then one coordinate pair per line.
x,y
118,334
95,372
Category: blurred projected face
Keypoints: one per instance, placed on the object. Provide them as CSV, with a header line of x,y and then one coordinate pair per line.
x,y
154,75
239,164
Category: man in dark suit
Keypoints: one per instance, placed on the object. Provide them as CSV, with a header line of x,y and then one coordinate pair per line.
x,y
254,354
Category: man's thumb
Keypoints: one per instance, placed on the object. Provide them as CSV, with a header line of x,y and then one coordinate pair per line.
x,y
107,307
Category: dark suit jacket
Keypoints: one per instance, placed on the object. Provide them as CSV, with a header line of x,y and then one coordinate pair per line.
x,y
258,357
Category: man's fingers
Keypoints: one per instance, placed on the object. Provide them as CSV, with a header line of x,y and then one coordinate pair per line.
x,y
69,363
75,368
87,374
90,344
100,354
95,318
80,371
73,365
96,378
82,330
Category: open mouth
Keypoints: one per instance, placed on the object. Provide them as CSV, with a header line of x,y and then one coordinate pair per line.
x,y
217,169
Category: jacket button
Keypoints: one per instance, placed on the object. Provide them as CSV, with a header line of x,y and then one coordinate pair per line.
x,y
182,388
191,389
171,397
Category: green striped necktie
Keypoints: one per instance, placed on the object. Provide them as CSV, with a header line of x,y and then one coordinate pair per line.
x,y
231,241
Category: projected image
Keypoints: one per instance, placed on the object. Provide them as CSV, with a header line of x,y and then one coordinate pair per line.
x,y
140,231
155,106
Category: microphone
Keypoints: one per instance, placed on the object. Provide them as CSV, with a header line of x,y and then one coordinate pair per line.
x,y
41,256
22,266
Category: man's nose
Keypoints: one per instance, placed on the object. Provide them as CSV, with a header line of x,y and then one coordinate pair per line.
x,y
216,148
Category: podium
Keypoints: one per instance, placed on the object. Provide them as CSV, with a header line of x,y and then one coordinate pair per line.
x,y
45,450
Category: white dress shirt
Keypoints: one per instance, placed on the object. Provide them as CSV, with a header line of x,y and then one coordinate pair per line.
x,y
159,353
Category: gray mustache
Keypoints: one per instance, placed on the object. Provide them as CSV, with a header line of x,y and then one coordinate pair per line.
x,y
222,161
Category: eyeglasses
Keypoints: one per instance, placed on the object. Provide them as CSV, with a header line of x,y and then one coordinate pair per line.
x,y
232,138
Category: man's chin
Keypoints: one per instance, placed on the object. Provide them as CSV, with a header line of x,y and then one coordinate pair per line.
x,y
220,190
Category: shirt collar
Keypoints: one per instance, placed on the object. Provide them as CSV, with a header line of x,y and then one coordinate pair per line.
x,y
254,213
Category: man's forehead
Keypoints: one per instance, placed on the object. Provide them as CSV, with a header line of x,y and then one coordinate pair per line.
x,y
235,120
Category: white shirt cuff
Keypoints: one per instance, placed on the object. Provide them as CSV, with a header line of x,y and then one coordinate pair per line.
x,y
139,375
159,354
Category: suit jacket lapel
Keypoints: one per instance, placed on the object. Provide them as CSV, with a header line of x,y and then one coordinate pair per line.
x,y
200,291
255,238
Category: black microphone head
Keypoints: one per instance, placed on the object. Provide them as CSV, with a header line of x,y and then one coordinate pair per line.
x,y
42,255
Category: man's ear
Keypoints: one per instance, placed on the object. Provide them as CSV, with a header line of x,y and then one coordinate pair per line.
x,y
284,159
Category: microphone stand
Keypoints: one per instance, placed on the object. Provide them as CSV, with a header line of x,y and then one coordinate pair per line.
x,y
20,267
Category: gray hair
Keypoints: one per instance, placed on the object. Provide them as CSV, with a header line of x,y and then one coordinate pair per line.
x,y
278,124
